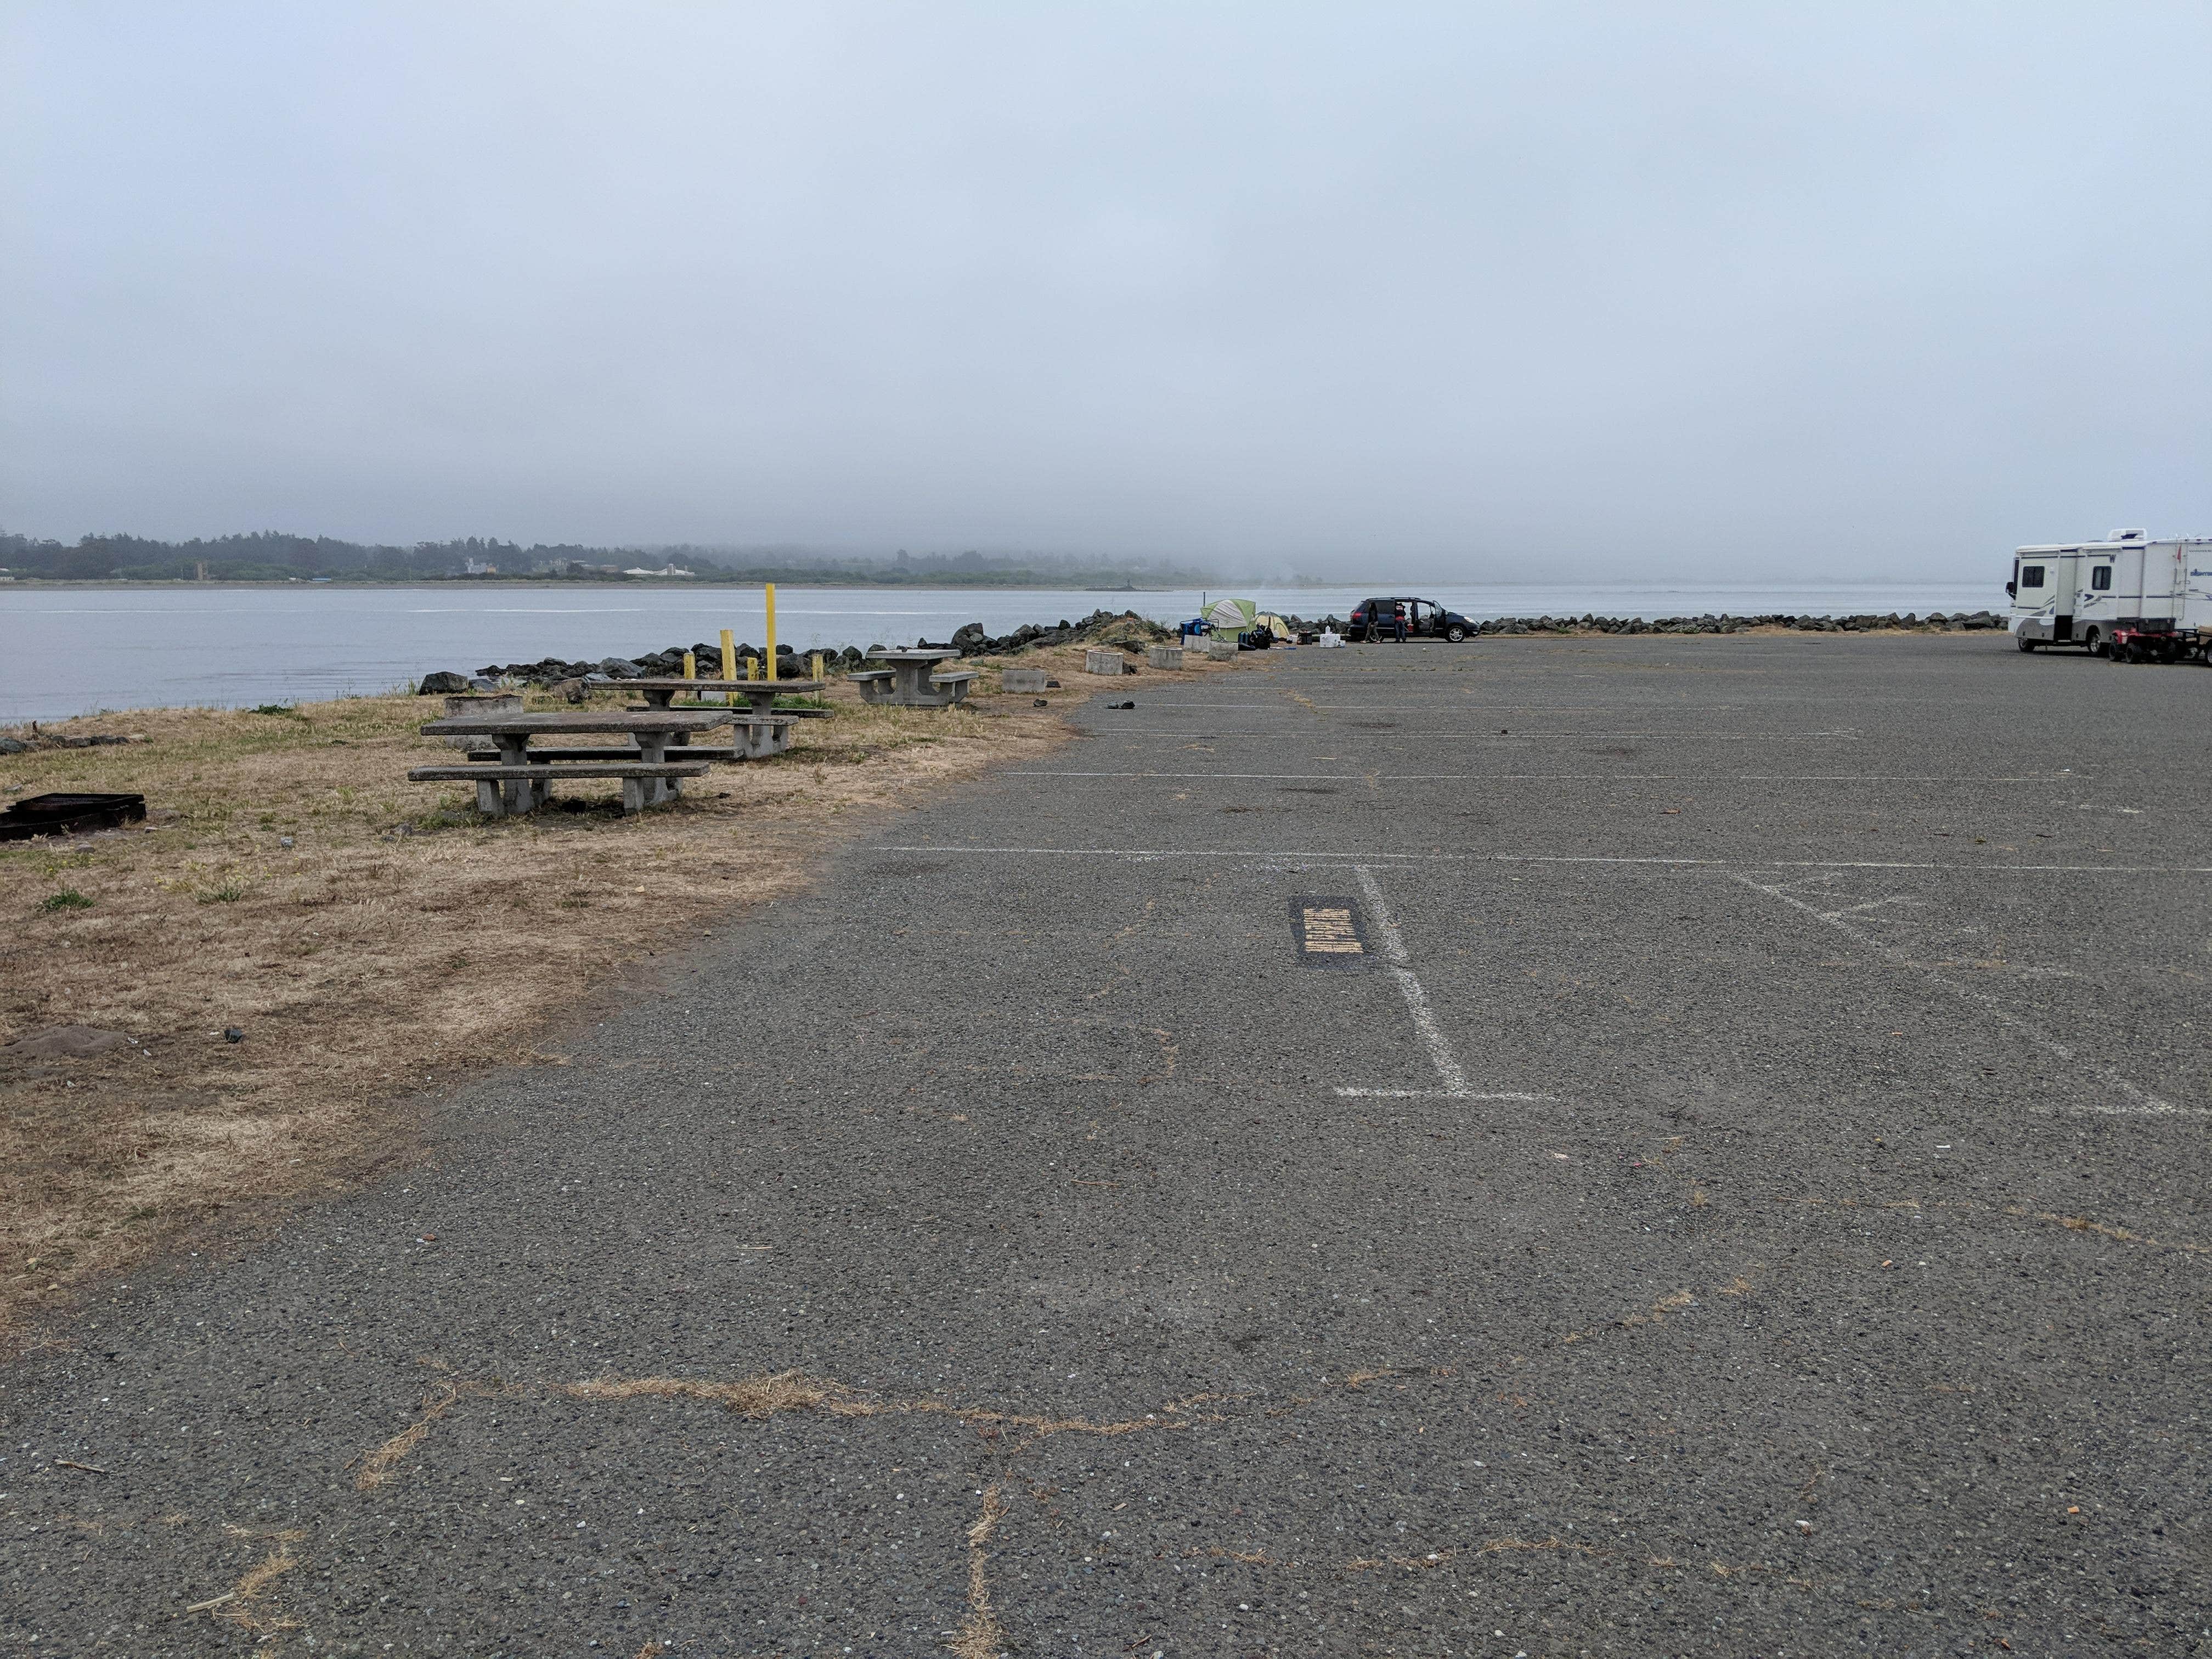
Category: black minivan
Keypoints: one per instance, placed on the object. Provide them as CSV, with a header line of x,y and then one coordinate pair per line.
x,y
1376,619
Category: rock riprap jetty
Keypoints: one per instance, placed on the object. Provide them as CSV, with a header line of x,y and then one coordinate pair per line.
x,y
1099,628
1127,628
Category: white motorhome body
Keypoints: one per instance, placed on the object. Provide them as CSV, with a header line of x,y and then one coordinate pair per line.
x,y
2085,592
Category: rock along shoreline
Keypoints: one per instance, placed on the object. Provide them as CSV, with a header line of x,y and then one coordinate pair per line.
x,y
1127,627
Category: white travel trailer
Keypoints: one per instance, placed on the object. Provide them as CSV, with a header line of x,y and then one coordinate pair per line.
x,y
2128,598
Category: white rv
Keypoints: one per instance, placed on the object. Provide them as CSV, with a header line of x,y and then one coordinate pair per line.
x,y
2127,598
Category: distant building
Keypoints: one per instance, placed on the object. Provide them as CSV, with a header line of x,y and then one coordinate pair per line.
x,y
665,570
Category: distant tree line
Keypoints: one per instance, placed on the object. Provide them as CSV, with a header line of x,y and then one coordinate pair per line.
x,y
263,556
271,555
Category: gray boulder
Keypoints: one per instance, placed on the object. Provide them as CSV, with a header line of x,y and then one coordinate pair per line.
x,y
444,682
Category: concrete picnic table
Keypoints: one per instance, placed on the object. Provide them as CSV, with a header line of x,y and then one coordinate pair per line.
x,y
760,694
517,783
908,682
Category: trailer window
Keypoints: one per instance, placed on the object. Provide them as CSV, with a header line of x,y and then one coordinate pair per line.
x,y
2100,577
2031,575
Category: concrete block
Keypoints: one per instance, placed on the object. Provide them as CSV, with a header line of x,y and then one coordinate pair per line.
x,y
1163,656
1104,662
1023,679
1221,650
480,702
484,703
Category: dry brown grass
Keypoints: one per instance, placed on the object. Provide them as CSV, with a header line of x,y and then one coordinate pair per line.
x,y
400,942
242,1604
981,1636
763,1395
756,1397
377,1466
247,1610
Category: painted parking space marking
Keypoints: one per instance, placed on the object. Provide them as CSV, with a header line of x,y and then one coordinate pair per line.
x,y
1327,932
1451,709
2127,1099
1391,946
1325,855
1567,777
1307,729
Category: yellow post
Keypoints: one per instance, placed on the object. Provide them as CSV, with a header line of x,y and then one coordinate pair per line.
x,y
815,662
729,655
770,591
690,666
752,668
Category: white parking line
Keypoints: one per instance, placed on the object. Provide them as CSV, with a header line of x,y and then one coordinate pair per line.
x,y
1452,707
2135,1100
1308,730
1312,855
1490,708
1578,777
1448,1071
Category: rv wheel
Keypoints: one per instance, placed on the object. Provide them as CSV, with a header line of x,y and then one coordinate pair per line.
x,y
2026,644
2095,641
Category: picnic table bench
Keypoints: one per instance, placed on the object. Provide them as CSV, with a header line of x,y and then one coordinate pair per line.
x,y
760,694
757,736
908,683
497,786
521,780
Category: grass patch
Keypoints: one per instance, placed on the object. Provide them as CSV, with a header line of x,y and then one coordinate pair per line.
x,y
372,963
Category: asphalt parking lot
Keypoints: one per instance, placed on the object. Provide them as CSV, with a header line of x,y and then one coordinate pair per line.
x,y
1744,1194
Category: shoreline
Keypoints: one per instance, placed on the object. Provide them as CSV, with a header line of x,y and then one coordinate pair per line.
x,y
972,643
549,670
635,583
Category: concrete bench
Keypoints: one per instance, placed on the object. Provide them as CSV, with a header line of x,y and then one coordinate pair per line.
x,y
954,687
757,736
757,739
775,713
903,686
644,783
690,752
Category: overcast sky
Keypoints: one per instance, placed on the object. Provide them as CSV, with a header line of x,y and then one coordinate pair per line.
x,y
1463,290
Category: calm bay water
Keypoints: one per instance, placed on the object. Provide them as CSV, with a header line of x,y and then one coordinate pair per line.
x,y
72,651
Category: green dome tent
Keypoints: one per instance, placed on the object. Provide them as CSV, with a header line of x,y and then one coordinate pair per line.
x,y
1228,618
